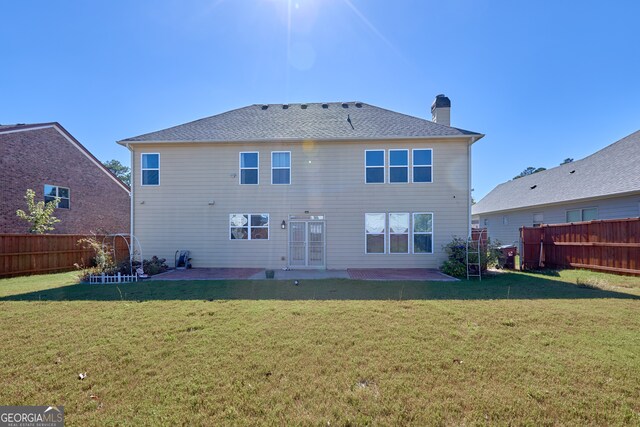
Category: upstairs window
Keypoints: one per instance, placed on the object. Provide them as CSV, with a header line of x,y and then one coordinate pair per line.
x,y
422,233
398,165
374,228
249,226
150,169
374,166
249,168
280,167
422,165
53,191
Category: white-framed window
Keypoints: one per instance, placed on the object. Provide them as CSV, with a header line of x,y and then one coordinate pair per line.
x,y
398,233
249,226
249,168
586,214
398,166
422,170
423,233
374,166
281,167
53,191
538,219
375,232
150,169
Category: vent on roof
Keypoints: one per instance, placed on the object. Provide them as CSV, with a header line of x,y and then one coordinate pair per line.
x,y
533,187
573,171
264,107
359,104
285,106
325,105
345,105
303,106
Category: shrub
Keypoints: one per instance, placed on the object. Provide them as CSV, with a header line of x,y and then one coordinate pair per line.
x,y
155,265
456,264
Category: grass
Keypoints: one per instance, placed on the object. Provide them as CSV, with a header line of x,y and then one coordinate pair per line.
x,y
535,349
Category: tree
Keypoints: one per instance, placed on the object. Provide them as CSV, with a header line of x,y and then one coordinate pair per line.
x,y
122,172
567,160
529,171
40,214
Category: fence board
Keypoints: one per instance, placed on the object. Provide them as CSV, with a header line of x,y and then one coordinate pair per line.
x,y
23,254
604,245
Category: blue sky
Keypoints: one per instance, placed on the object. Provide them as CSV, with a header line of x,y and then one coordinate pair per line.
x,y
544,80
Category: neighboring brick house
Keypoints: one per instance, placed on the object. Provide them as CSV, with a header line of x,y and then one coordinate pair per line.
x,y
46,158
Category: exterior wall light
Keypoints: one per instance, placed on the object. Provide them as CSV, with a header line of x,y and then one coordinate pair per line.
x,y
283,225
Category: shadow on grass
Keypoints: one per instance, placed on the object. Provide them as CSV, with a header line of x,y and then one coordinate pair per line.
x,y
503,286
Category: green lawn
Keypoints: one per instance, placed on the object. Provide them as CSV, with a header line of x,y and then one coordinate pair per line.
x,y
517,348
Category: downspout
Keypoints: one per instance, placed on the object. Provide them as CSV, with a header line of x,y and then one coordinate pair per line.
x,y
132,185
469,204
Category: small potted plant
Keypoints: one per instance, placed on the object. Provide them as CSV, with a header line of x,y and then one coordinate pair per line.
x,y
270,274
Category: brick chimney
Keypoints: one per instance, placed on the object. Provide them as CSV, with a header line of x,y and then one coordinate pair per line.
x,y
441,110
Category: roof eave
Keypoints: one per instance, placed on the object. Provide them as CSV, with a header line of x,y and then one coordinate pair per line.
x,y
471,137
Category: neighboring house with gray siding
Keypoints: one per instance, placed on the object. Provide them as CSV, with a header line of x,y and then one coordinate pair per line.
x,y
333,185
604,185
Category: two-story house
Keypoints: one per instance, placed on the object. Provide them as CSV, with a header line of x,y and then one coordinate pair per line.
x,y
47,159
319,185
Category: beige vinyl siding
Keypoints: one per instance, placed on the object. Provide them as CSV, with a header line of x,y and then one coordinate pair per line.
x,y
326,178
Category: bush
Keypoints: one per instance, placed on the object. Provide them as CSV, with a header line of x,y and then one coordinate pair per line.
x,y
151,266
456,250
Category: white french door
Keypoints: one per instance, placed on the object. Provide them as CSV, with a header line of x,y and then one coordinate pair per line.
x,y
307,244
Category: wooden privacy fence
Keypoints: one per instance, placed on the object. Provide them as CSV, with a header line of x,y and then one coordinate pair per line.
x,y
24,254
605,245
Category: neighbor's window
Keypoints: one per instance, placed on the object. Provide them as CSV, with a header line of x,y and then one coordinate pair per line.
x,y
399,233
422,165
249,168
374,229
52,191
398,165
538,219
505,220
577,215
422,233
150,169
281,167
249,226
374,166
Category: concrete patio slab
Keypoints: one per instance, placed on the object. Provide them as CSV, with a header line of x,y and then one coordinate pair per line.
x,y
209,274
399,274
304,274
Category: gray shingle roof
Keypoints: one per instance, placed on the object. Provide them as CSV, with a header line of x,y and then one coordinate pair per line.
x,y
613,170
315,121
